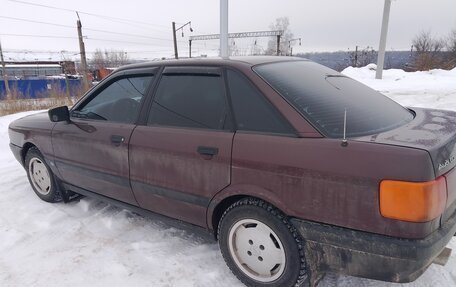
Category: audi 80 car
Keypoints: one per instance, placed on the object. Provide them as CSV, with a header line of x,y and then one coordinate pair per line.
x,y
296,169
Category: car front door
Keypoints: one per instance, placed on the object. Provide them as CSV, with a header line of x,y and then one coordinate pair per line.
x,y
91,152
181,157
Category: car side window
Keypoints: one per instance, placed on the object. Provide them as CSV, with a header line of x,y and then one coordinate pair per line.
x,y
119,102
252,111
190,100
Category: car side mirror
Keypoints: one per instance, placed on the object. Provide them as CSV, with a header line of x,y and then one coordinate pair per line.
x,y
60,114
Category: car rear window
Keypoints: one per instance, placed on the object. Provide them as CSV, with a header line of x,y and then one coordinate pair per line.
x,y
322,95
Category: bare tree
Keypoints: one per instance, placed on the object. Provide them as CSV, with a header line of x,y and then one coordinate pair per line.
x,y
428,51
364,57
98,60
451,47
282,23
452,42
117,58
108,59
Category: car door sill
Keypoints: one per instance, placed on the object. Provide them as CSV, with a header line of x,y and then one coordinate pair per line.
x,y
197,230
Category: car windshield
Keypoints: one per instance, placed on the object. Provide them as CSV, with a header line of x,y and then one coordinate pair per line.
x,y
323,95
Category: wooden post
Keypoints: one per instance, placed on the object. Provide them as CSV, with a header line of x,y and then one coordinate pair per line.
x,y
278,45
5,76
176,55
83,55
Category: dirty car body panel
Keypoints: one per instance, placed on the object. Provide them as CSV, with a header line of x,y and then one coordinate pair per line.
x,y
176,163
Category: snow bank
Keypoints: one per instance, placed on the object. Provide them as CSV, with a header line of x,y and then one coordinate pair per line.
x,y
90,243
430,89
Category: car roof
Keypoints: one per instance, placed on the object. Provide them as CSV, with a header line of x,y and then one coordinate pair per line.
x,y
231,61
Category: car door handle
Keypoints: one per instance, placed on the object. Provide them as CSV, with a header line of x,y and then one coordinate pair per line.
x,y
209,151
117,140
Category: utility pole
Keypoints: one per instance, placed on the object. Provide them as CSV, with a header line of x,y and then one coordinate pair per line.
x,y
5,76
190,48
224,29
175,41
83,53
278,45
356,57
290,42
381,49
176,55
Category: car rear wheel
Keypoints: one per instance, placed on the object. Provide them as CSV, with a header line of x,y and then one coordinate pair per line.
x,y
260,245
40,176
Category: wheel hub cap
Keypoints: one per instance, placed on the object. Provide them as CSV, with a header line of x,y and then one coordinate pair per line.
x,y
257,250
39,176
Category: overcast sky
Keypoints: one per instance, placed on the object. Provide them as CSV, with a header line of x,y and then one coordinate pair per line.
x,y
323,25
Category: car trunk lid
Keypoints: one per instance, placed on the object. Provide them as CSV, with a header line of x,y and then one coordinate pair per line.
x,y
431,130
435,132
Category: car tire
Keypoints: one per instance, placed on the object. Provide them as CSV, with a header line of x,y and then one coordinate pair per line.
x,y
260,245
41,177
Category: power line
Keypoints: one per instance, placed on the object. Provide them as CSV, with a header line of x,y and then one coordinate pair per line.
x,y
37,36
88,29
77,53
127,34
147,52
116,41
68,37
39,52
87,13
37,22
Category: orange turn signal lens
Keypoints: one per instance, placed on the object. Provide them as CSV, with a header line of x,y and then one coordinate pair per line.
x,y
413,201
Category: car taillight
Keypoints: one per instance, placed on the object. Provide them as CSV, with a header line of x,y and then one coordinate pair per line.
x,y
413,201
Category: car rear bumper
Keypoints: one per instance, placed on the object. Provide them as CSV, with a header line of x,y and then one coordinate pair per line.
x,y
17,151
373,256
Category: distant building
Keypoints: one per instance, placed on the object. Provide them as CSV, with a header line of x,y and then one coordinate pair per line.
x,y
39,69
36,79
102,73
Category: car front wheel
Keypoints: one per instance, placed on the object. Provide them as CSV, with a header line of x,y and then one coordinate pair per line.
x,y
40,176
260,245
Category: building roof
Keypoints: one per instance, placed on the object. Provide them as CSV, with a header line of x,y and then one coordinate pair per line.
x,y
33,66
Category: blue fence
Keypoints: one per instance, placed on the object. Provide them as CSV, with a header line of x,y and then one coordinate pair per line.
x,y
39,88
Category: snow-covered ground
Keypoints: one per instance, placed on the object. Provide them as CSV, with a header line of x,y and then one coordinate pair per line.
x,y
432,89
90,243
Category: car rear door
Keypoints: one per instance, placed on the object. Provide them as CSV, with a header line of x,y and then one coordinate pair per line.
x,y
92,151
181,157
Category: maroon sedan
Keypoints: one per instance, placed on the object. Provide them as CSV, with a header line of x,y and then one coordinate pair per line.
x,y
296,169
